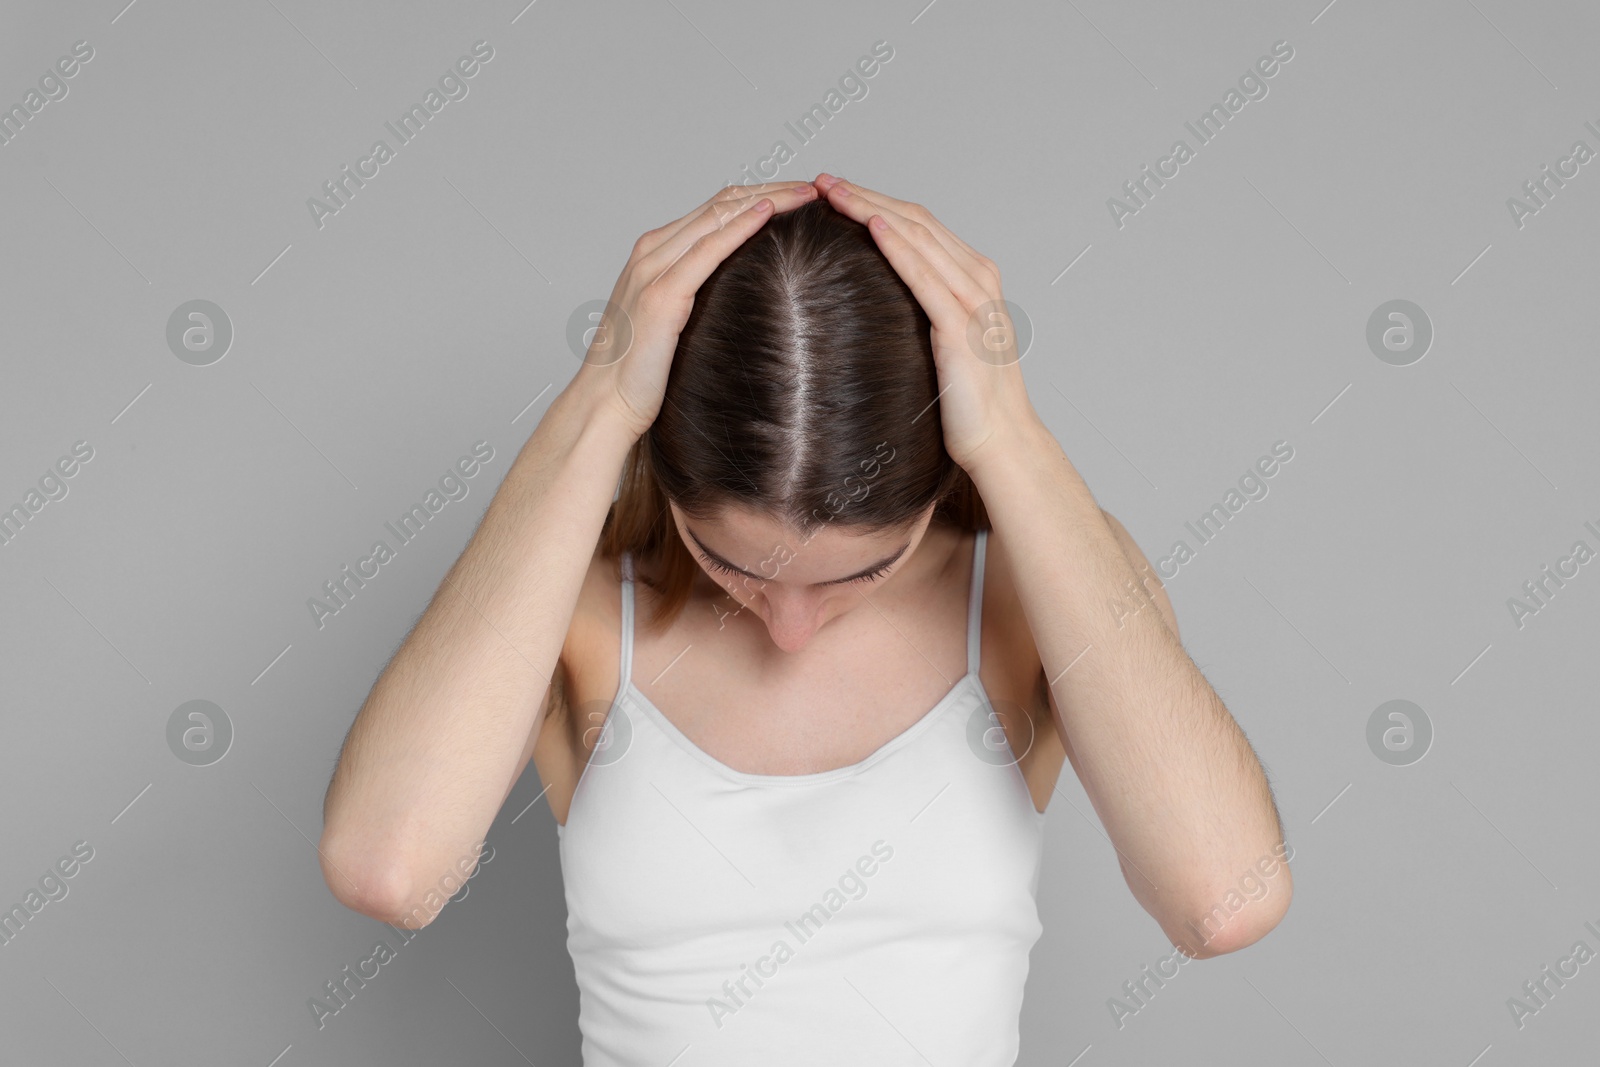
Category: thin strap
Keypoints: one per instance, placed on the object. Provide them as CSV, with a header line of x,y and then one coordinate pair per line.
x,y
975,603
626,674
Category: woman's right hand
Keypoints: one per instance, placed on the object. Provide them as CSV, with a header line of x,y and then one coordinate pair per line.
x,y
631,353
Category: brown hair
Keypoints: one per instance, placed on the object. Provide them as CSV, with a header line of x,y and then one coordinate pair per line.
x,y
803,386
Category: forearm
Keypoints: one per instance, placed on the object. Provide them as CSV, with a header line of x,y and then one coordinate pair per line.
x,y
1172,777
428,760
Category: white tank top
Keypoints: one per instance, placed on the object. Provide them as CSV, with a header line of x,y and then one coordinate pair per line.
x,y
880,913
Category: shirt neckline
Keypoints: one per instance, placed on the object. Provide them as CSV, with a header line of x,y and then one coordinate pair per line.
x,y
965,684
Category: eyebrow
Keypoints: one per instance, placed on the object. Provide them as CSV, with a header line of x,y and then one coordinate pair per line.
x,y
763,578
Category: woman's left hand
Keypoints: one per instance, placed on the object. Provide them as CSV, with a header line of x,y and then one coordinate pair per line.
x,y
982,396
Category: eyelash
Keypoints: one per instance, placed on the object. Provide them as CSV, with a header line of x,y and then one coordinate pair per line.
x,y
879,573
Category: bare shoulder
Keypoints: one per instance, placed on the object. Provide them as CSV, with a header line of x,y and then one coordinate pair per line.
x,y
594,634
1007,639
586,679
1013,676
600,597
1020,675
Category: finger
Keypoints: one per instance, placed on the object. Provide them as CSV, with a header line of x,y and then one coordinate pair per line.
x,y
956,276
904,207
691,267
717,214
725,201
969,256
944,309
955,245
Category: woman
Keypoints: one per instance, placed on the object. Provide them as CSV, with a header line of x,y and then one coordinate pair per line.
x,y
799,695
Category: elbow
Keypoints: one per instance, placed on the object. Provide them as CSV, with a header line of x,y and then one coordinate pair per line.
x,y
1203,936
374,886
1232,939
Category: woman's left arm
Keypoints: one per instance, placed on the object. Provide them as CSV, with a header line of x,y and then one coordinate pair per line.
x,y
1174,780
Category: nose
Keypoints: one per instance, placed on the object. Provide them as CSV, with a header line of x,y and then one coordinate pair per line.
x,y
792,617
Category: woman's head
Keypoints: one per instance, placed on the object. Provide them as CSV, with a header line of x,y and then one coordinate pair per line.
x,y
799,438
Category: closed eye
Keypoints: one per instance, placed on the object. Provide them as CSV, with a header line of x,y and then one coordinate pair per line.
x,y
872,577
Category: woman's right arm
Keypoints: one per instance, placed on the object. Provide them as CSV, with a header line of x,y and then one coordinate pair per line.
x,y
434,749
429,759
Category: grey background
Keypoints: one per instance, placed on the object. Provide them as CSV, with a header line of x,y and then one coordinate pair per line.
x,y
1228,314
